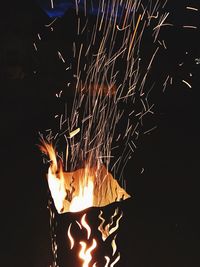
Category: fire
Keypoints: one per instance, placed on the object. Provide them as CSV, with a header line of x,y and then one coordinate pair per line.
x,y
55,177
109,229
70,237
85,254
85,251
113,263
85,197
107,261
114,246
86,226
82,188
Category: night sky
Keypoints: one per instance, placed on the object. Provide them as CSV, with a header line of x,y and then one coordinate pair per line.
x,y
160,226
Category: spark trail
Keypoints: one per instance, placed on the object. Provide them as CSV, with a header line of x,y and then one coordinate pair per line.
x,y
109,75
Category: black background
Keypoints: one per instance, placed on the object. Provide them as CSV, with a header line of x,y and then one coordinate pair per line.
x,y
161,222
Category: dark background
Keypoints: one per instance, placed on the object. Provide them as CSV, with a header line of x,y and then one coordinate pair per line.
x,y
161,222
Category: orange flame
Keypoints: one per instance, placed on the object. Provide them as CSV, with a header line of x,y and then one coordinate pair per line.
x,y
115,261
85,197
55,176
70,237
107,261
80,189
86,226
114,246
107,230
85,254
85,251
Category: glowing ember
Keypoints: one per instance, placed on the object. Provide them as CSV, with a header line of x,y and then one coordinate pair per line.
x,y
81,189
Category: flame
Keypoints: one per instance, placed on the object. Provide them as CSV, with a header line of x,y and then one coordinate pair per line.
x,y
107,261
80,189
85,197
85,251
70,237
55,176
115,261
108,230
86,226
85,254
114,246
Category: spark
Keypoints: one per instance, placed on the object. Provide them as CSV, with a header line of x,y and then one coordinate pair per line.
x,y
192,8
162,20
75,132
187,83
122,29
150,130
60,93
190,27
51,23
153,16
52,4
134,34
165,83
61,57
142,171
39,37
197,61
34,44
164,45
133,144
